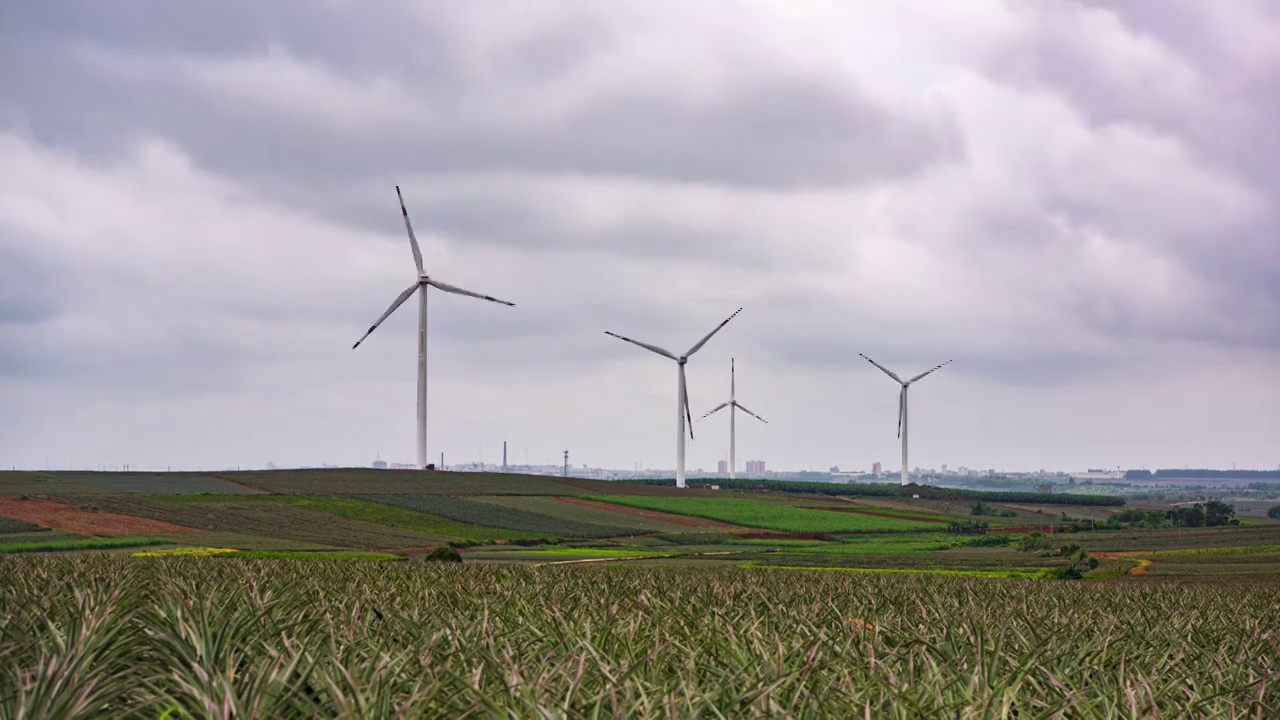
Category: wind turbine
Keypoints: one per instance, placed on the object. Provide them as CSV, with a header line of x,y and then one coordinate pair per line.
x,y
902,405
682,391
420,286
733,405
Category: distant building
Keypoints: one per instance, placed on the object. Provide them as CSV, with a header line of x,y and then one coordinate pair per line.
x,y
722,467
944,469
379,464
876,469
755,467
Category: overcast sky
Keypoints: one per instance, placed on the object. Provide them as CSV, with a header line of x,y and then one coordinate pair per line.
x,y
1075,201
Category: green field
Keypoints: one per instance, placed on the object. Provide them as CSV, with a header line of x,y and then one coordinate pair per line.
x,y
763,514
190,637
62,544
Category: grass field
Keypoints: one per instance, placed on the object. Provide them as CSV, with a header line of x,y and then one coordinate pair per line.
x,y
762,514
197,637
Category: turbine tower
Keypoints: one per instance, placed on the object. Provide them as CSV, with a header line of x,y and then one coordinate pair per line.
x,y
682,390
733,405
420,286
902,405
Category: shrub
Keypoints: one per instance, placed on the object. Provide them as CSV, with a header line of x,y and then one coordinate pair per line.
x,y
1274,512
444,553
1032,541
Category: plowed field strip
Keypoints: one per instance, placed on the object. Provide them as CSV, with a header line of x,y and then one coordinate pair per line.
x,y
61,516
683,520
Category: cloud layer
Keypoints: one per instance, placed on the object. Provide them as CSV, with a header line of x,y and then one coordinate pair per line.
x,y
1077,201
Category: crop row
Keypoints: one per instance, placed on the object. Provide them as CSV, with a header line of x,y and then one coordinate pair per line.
x,y
100,636
476,512
764,514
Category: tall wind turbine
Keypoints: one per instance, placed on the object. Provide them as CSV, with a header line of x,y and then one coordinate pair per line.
x,y
420,286
902,405
682,390
733,405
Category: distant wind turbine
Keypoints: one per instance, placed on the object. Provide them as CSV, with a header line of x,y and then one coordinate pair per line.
x,y
682,391
902,405
420,286
733,405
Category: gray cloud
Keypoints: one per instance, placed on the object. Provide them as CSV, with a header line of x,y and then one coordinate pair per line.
x,y
196,209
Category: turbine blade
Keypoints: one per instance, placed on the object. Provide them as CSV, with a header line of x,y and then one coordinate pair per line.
x,y
926,372
886,370
413,239
902,407
459,291
704,340
687,412
646,346
743,409
398,302
714,410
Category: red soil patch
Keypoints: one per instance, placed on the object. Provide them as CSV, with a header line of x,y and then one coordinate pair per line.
x,y
70,518
670,518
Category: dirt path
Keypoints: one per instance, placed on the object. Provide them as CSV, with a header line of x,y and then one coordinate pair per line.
x,y
71,518
1136,555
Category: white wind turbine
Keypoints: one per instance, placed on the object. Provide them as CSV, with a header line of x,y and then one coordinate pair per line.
x,y
420,286
733,405
902,405
682,391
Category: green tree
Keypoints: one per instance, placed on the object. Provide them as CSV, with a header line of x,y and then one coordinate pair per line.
x,y
1218,513
1188,515
1274,512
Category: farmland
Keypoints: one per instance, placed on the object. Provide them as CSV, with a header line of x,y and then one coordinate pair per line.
x,y
306,594
328,638
482,514
488,514
762,514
